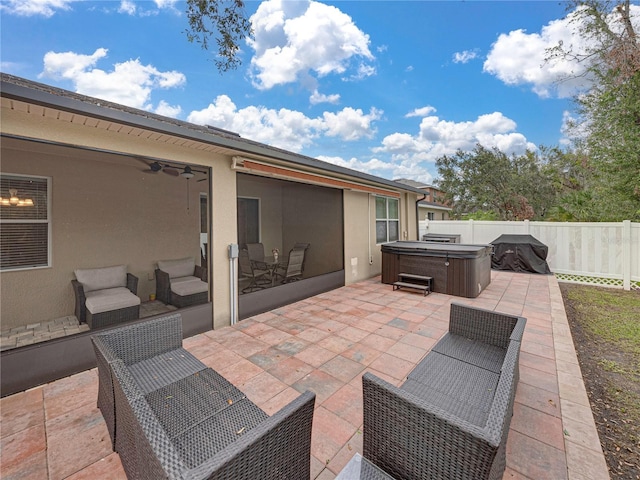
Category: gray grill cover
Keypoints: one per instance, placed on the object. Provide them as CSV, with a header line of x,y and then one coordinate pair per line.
x,y
520,253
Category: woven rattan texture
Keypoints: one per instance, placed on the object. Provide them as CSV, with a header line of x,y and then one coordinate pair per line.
x,y
198,426
156,372
112,317
451,418
481,354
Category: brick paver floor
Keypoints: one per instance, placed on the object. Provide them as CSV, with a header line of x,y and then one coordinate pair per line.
x,y
325,343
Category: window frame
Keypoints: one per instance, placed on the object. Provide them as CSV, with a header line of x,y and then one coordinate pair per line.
x,y
48,221
387,219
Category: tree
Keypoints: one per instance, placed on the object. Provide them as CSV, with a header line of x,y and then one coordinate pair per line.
x,y
225,22
489,183
608,126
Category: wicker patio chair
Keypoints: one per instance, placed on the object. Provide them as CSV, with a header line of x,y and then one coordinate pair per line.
x,y
105,296
153,348
181,282
172,417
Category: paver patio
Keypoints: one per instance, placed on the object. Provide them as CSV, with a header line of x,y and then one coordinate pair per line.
x,y
325,343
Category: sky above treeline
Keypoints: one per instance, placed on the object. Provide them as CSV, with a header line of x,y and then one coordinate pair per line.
x,y
383,87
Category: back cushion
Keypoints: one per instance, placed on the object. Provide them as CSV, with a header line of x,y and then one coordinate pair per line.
x,y
182,267
101,278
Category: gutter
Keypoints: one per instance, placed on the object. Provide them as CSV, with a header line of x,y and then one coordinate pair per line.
x,y
24,90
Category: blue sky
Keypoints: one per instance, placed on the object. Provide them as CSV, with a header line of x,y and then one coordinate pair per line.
x,y
384,87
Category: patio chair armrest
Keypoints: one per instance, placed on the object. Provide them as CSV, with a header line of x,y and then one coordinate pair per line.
x,y
486,326
80,310
132,283
280,447
408,437
163,286
201,273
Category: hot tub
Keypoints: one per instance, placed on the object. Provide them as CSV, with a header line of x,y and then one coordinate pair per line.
x,y
457,269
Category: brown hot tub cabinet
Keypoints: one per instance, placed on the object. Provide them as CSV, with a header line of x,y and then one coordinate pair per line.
x,y
456,269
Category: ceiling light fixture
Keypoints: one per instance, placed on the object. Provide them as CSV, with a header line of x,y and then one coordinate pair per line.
x,y
187,172
14,201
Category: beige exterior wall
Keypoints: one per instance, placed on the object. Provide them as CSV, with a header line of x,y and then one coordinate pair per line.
x,y
106,211
363,258
439,214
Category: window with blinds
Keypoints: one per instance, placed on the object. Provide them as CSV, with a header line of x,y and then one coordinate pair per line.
x,y
25,224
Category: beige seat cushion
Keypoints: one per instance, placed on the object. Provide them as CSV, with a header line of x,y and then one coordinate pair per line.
x,y
182,267
100,301
102,278
189,287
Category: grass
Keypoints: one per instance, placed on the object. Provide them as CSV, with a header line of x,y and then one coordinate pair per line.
x,y
607,339
611,315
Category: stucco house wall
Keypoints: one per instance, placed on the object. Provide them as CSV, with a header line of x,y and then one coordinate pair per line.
x,y
106,211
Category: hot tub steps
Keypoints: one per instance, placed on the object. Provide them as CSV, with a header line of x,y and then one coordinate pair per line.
x,y
410,280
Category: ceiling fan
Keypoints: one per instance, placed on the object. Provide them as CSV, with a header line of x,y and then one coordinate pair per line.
x,y
185,172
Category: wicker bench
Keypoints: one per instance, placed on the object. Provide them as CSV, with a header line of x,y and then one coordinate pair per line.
x,y
169,416
450,418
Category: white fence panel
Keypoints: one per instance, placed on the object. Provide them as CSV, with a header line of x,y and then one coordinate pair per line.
x,y
584,251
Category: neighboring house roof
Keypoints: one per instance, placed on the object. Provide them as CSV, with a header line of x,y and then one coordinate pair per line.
x,y
21,89
413,183
423,186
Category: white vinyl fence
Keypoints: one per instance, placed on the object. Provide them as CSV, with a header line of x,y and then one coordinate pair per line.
x,y
595,253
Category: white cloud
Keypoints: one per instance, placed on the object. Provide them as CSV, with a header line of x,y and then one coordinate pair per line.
x,y
167,110
421,112
350,124
403,155
384,169
317,97
169,4
27,8
464,56
130,83
284,128
128,7
518,57
437,137
293,40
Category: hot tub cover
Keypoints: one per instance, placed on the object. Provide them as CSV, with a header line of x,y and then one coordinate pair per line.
x,y
520,253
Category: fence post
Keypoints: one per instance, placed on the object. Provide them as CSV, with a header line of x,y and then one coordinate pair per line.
x,y
471,233
626,254
526,226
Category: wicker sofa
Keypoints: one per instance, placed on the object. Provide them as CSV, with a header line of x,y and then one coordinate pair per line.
x,y
169,416
450,418
105,296
181,282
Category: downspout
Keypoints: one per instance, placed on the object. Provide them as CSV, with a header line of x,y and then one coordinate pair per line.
x,y
369,228
424,196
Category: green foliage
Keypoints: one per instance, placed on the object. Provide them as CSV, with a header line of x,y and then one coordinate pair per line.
x,y
608,127
223,21
488,183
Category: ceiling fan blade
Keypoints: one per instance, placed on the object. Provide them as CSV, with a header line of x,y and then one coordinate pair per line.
x,y
170,171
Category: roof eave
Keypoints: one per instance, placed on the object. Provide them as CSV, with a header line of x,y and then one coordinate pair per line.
x,y
141,119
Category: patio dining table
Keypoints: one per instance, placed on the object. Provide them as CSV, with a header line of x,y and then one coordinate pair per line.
x,y
272,264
